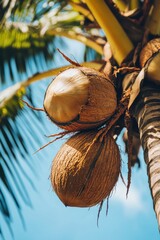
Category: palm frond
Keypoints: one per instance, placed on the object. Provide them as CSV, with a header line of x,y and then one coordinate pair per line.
x,y
16,131
25,35
18,39
27,9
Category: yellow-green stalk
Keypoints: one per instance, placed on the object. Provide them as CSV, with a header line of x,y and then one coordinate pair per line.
x,y
72,34
56,71
134,4
78,7
154,21
121,4
120,44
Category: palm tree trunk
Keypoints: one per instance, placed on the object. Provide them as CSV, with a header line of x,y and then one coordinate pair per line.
x,y
147,113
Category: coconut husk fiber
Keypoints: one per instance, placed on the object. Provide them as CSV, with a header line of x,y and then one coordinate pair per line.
x,y
83,174
100,106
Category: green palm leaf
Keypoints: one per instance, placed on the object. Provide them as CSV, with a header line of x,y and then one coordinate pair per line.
x,y
16,131
31,32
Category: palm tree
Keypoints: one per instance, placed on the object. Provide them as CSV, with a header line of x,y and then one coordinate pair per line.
x,y
28,28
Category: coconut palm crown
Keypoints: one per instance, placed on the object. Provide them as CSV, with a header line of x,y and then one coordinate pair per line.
x,y
29,31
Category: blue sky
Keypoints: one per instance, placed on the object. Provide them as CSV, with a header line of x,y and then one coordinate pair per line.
x,y
48,219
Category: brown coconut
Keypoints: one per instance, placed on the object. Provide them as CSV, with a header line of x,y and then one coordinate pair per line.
x,y
84,180
80,98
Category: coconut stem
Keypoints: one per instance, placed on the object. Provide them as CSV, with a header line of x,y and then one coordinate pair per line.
x,y
33,108
68,59
147,114
120,44
154,21
121,108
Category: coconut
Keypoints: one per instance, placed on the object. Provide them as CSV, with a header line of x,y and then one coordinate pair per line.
x,y
150,59
80,98
84,174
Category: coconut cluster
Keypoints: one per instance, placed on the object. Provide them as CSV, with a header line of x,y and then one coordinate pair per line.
x,y
85,169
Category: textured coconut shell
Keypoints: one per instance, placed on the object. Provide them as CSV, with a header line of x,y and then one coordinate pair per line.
x,y
150,49
102,100
84,180
101,104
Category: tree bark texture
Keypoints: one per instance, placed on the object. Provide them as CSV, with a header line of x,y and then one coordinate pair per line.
x,y
146,110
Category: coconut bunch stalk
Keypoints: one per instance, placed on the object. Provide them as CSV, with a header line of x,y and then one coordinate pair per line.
x,y
84,174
